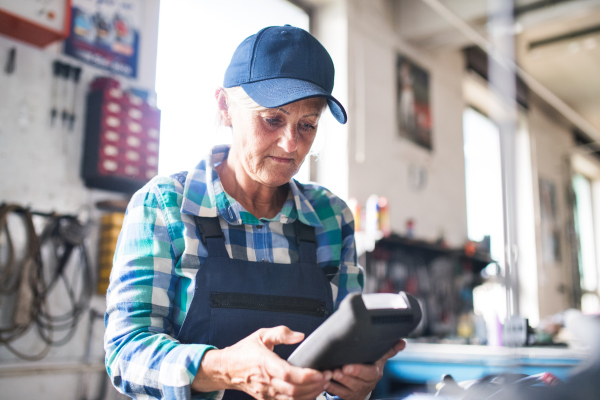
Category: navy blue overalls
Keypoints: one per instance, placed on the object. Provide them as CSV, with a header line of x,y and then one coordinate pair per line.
x,y
235,298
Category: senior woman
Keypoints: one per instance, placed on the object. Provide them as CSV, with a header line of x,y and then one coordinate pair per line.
x,y
220,271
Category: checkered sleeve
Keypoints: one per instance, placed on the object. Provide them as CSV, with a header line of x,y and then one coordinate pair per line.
x,y
143,360
351,275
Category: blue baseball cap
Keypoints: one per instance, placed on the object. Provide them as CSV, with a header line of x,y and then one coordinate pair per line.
x,y
283,64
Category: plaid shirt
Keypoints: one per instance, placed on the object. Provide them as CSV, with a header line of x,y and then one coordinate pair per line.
x,y
158,255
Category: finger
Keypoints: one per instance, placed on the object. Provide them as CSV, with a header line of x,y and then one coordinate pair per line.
x,y
353,383
364,372
279,390
279,335
278,368
309,396
398,347
340,390
298,391
285,397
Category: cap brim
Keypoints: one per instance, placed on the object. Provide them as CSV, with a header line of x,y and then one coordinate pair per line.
x,y
273,93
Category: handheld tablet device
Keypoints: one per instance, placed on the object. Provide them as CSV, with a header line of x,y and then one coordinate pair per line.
x,y
361,331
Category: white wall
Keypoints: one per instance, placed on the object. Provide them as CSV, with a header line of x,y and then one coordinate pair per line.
x,y
330,26
40,167
440,207
551,146
380,162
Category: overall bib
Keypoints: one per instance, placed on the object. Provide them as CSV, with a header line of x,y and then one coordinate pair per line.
x,y
235,298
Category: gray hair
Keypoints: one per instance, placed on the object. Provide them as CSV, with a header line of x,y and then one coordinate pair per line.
x,y
236,95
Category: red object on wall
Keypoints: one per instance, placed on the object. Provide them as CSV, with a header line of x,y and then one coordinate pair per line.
x,y
19,27
121,140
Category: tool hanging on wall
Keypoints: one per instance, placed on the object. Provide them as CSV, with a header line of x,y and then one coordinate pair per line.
x,y
76,75
65,102
56,70
10,62
65,74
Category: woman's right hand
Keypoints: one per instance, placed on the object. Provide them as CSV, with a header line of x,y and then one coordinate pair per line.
x,y
251,366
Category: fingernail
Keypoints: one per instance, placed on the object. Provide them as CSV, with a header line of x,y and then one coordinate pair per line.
x,y
348,370
337,375
318,377
327,375
326,385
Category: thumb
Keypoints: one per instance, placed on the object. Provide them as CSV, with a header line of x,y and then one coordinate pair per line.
x,y
279,335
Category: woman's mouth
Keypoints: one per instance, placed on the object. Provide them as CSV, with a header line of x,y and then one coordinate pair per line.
x,y
282,160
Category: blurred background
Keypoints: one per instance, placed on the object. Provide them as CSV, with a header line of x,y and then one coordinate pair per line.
x,y
470,160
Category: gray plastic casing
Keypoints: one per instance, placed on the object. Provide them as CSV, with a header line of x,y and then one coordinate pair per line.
x,y
355,335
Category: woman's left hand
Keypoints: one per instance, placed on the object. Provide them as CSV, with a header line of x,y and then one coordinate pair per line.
x,y
356,381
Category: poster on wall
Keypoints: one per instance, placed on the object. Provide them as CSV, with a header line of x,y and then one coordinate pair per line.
x,y
413,105
105,34
549,223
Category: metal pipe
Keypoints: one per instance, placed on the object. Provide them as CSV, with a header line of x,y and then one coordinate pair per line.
x,y
503,83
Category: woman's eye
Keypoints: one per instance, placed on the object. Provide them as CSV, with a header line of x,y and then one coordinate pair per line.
x,y
307,127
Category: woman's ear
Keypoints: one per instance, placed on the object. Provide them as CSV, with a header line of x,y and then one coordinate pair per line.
x,y
223,108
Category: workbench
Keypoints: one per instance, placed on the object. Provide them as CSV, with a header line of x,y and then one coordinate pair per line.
x,y
423,363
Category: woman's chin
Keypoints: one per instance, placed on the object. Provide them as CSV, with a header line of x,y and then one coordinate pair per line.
x,y
276,179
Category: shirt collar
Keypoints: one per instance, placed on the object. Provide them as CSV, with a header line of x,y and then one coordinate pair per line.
x,y
203,196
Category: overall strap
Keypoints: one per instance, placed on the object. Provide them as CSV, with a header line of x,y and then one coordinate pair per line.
x,y
306,241
212,236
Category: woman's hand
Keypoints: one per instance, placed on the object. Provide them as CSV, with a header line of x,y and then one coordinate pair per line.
x,y
251,366
356,381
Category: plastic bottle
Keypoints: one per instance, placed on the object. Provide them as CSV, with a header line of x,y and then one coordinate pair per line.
x,y
384,216
372,217
355,207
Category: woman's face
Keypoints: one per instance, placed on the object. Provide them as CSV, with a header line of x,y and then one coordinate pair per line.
x,y
272,144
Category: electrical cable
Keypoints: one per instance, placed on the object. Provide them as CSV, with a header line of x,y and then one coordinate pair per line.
x,y
48,266
65,235
18,280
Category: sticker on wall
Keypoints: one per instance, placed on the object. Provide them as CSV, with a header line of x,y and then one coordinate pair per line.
x,y
413,105
105,34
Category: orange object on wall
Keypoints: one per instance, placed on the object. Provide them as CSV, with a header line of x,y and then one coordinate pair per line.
x,y
37,28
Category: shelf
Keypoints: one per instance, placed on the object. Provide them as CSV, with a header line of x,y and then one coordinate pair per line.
x,y
431,251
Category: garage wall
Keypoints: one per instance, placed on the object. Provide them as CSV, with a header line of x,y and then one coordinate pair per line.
x,y
374,37
329,23
40,167
552,142
440,206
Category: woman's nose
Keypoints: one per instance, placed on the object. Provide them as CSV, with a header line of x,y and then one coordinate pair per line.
x,y
289,139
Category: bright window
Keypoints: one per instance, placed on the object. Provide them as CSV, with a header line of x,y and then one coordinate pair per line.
x,y
584,225
483,181
195,43
484,208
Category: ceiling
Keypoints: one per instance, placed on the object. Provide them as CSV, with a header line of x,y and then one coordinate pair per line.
x,y
557,42
562,52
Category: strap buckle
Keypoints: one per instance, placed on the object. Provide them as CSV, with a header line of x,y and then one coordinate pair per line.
x,y
304,233
209,228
